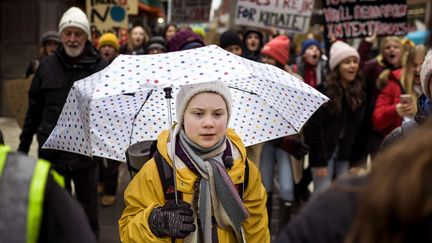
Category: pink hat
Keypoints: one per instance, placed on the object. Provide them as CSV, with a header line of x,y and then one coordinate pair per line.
x,y
278,48
339,51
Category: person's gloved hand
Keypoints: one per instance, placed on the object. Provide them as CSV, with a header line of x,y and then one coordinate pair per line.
x,y
293,145
299,149
173,220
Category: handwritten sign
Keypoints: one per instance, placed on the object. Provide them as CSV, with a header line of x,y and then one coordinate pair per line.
x,y
190,11
106,15
361,18
290,15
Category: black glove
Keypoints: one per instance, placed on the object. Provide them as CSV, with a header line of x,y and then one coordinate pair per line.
x,y
299,149
173,220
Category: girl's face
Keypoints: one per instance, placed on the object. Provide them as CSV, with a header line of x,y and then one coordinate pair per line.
x,y
252,42
170,32
108,52
268,59
51,46
348,69
235,49
137,36
205,119
392,53
312,55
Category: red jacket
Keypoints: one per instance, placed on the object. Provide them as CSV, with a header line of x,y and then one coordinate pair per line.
x,y
385,117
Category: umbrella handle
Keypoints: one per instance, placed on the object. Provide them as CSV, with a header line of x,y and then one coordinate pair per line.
x,y
168,97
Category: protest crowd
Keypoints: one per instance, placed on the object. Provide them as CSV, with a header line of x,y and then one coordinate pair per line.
x,y
358,170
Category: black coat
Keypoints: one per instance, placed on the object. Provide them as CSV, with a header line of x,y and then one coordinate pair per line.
x,y
63,219
325,131
328,217
50,88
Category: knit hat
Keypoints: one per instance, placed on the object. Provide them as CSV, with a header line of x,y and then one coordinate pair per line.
x,y
199,31
109,39
309,42
230,38
252,30
187,92
426,75
156,42
184,40
339,51
278,48
50,36
75,17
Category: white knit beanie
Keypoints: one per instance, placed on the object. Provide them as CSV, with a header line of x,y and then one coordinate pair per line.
x,y
339,51
75,17
426,75
187,92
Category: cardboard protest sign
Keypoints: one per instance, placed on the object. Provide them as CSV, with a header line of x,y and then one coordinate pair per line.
x,y
290,15
16,92
190,11
360,18
106,16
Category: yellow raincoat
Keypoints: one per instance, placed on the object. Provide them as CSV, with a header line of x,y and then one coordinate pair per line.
x,y
144,193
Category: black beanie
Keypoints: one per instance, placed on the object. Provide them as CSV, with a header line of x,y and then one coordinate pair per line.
x,y
229,38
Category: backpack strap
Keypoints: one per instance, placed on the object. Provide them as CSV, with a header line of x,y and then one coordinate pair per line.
x,y
241,188
166,176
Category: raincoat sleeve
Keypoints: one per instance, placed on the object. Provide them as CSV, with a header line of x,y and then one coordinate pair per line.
x,y
33,116
143,194
255,197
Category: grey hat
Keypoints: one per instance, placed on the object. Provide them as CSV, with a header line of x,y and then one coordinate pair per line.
x,y
426,75
50,36
187,92
156,42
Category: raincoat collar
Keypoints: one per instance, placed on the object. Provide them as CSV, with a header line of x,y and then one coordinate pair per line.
x,y
187,177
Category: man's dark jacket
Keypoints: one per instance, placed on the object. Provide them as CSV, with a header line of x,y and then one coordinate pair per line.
x,y
50,88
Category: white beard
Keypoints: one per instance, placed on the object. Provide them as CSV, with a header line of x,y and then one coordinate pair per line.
x,y
75,51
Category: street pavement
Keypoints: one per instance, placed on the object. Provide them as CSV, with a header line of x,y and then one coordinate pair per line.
x,y
108,216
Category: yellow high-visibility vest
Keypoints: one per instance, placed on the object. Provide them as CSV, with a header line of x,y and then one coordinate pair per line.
x,y
22,189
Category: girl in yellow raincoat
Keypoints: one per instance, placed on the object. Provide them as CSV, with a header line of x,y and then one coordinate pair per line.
x,y
210,162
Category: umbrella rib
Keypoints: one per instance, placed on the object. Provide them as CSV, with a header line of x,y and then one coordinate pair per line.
x,y
247,91
136,115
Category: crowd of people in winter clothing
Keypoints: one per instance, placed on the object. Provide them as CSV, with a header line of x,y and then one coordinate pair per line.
x,y
375,104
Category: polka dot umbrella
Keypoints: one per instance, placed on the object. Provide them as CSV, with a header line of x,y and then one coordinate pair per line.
x,y
125,103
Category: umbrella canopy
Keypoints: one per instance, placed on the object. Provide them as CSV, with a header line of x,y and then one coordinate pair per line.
x,y
125,103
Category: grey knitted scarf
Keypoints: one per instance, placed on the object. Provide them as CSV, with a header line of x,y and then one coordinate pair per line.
x,y
216,191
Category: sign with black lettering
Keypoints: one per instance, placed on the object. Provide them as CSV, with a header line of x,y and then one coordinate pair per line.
x,y
107,15
360,18
290,15
190,11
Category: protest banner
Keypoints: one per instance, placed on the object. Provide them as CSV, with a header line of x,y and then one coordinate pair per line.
x,y
190,11
17,97
359,18
107,16
290,15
